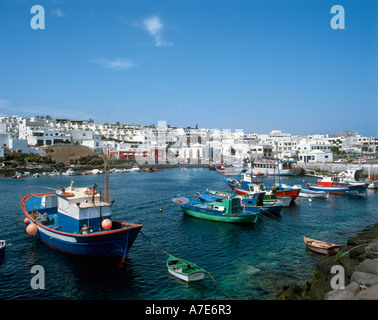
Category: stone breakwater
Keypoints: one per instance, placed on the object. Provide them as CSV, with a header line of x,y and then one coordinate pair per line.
x,y
359,261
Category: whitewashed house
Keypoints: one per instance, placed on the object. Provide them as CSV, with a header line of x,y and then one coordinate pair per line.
x,y
318,150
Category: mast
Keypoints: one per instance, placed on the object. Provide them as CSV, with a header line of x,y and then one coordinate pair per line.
x,y
106,179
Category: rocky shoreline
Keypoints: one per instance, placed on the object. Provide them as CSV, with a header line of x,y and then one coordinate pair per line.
x,y
11,168
358,259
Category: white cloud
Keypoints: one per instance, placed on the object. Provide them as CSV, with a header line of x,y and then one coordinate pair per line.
x,y
154,27
58,12
116,64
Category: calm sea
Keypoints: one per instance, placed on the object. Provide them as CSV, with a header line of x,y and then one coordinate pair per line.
x,y
246,261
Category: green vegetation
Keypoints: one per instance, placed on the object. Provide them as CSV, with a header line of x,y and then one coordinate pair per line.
x,y
25,157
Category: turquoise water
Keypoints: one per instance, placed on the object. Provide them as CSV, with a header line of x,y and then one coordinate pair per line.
x,y
247,261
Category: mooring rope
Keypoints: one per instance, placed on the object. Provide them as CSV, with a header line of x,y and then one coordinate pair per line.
x,y
211,276
281,224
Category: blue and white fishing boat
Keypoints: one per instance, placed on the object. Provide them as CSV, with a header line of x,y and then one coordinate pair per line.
x,y
333,185
78,221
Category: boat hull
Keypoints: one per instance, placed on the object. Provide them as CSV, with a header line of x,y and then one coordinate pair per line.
x,y
340,189
321,247
114,243
214,216
241,190
184,270
313,194
197,276
228,170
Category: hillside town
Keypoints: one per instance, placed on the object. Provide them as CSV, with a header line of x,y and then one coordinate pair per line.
x,y
163,143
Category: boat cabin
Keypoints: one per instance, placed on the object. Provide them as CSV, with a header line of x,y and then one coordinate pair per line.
x,y
329,181
229,205
71,210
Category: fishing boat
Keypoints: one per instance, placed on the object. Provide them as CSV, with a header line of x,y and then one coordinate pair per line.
x,y
313,173
321,247
242,187
76,220
17,175
226,210
54,173
271,167
251,202
270,194
372,184
151,170
333,185
228,169
306,193
351,175
70,172
184,270
2,249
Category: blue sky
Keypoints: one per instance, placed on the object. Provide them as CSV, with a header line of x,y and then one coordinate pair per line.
x,y
255,65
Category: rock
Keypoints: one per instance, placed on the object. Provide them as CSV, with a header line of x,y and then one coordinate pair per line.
x,y
325,264
369,294
348,293
293,292
348,264
363,278
368,266
371,250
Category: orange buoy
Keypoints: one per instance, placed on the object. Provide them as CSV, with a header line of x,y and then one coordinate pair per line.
x,y
90,192
26,221
67,194
106,224
31,229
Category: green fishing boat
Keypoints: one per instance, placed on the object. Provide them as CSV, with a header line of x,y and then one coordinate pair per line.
x,y
228,209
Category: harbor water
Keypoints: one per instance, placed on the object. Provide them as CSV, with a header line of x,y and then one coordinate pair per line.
x,y
246,261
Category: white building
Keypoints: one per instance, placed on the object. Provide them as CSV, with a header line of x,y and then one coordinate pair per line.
x,y
86,138
314,150
313,156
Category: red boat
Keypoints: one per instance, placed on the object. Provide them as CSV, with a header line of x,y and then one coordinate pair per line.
x,y
242,187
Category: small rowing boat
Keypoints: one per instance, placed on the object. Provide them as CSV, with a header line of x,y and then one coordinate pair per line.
x,y
184,270
321,247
